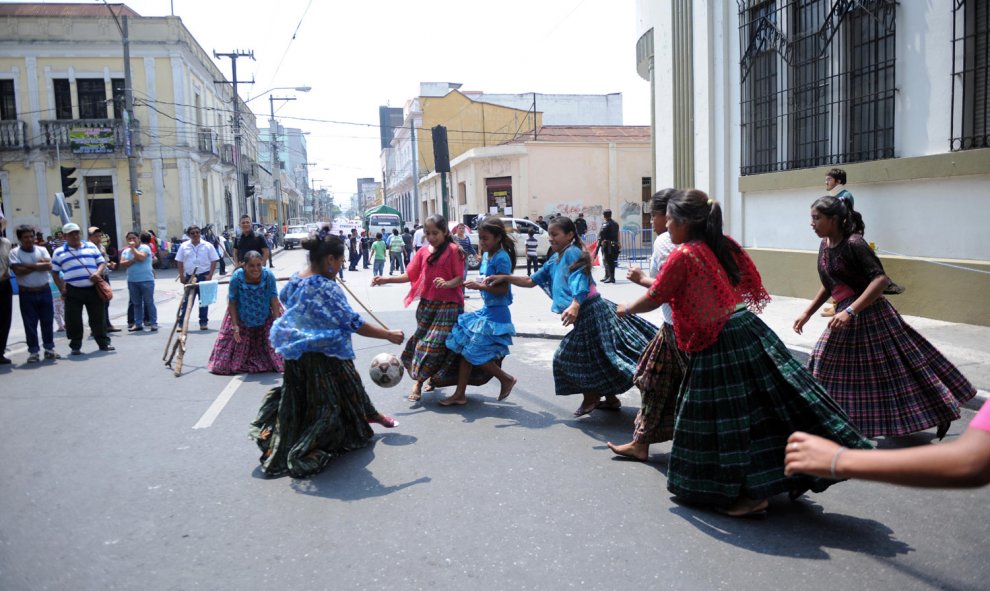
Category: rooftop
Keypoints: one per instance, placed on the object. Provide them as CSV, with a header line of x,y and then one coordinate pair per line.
x,y
586,133
58,9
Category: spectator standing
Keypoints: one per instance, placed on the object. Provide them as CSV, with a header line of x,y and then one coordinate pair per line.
x,y
33,265
6,292
608,244
378,247
353,250
407,239
581,225
96,237
365,248
532,254
249,239
81,265
137,258
419,238
397,252
196,259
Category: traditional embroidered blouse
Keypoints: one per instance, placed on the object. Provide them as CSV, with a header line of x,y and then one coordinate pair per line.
x,y
701,294
848,268
253,299
421,274
563,285
317,319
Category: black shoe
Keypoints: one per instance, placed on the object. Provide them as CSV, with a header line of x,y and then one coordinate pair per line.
x,y
75,352
107,348
5,361
113,329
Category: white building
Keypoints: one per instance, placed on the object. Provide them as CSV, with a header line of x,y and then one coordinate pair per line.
x,y
756,100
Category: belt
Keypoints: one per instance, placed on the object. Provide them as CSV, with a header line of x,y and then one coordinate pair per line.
x,y
33,289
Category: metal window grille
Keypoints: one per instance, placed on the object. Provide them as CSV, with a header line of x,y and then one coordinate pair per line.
x,y
817,82
970,75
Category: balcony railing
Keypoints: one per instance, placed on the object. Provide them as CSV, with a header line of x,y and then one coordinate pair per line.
x,y
57,133
13,135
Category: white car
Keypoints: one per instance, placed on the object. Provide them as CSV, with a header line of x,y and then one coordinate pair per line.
x,y
294,236
518,229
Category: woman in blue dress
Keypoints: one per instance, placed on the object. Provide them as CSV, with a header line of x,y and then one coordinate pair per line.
x,y
482,338
321,409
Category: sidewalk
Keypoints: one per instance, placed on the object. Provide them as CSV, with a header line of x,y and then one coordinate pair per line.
x,y
966,345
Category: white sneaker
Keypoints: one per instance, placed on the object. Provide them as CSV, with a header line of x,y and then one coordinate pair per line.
x,y
34,358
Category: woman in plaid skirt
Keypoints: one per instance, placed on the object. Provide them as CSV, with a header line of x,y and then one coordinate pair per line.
x,y
661,366
436,273
598,357
889,378
743,393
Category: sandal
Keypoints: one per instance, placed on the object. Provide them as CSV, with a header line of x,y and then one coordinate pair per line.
x,y
746,508
607,405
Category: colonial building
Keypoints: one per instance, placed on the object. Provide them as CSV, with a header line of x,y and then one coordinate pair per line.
x,y
756,100
62,95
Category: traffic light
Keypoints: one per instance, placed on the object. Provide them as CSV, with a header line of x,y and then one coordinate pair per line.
x,y
68,180
249,190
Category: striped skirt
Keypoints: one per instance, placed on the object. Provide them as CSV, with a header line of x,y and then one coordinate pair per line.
x,y
658,377
740,400
320,411
599,355
254,354
888,378
426,351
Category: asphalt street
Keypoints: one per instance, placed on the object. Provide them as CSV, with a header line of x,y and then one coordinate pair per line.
x,y
118,475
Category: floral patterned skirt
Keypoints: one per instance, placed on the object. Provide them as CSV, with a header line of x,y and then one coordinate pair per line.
x,y
254,354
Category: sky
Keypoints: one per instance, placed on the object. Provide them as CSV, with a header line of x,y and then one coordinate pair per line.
x,y
360,54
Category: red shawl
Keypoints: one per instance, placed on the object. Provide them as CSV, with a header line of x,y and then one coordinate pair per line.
x,y
421,274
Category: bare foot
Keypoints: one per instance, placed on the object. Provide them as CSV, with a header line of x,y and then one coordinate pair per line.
x,y
636,451
590,403
454,401
506,388
746,507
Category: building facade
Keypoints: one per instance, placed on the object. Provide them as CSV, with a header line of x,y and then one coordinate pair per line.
x,y
754,101
62,87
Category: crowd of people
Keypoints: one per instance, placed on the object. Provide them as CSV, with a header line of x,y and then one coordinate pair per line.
x,y
745,419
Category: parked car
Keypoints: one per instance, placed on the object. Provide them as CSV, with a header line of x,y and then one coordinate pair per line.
x,y
518,229
294,236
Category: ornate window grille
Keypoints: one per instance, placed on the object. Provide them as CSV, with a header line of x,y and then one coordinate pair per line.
x,y
817,82
970,75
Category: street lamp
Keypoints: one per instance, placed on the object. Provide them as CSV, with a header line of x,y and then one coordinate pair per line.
x,y
276,169
295,88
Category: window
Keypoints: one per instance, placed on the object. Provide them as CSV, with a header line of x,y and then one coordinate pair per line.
x,y
99,185
63,99
92,94
817,82
119,103
971,75
8,108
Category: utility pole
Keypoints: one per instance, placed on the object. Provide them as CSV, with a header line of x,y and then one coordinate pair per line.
x,y
276,169
128,117
241,180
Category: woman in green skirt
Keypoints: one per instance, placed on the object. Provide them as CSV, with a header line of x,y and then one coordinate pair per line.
x,y
321,409
743,393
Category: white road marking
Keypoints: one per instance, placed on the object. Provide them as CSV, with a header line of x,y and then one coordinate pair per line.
x,y
213,412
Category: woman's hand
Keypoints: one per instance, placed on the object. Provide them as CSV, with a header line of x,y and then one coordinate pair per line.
x,y
840,320
620,310
570,314
801,321
634,274
809,454
495,280
396,337
472,284
237,334
277,310
377,280
440,282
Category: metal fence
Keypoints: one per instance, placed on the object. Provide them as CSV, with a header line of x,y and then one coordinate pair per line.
x,y
636,246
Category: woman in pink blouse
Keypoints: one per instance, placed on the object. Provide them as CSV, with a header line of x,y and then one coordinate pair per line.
x,y
962,463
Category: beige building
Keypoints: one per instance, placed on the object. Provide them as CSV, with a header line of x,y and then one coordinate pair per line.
x,y
62,97
565,170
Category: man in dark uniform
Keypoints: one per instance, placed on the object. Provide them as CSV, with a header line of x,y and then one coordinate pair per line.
x,y
581,225
608,244
248,240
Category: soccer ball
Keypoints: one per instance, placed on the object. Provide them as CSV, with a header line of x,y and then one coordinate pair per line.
x,y
386,370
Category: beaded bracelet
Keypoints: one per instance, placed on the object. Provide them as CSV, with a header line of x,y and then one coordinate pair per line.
x,y
835,461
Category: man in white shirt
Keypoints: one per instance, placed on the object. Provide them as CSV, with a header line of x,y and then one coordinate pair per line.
x,y
196,259
33,266
419,238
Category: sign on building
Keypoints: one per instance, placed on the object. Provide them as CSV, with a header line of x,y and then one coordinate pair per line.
x,y
92,140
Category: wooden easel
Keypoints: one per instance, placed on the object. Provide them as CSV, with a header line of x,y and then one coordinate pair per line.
x,y
177,349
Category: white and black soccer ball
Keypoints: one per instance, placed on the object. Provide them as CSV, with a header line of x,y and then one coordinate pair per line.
x,y
386,370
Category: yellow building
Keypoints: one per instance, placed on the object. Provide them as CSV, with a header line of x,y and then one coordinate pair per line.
x,y
62,96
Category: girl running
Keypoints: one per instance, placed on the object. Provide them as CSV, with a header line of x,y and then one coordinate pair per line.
x,y
484,336
597,358
661,367
436,273
321,409
743,393
889,378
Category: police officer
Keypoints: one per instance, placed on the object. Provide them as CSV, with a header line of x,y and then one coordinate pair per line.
x,y
608,244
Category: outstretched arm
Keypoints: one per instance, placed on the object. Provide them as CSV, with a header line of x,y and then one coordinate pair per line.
x,y
393,336
641,305
517,280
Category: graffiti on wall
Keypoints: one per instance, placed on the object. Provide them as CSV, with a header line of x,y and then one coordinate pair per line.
x,y
629,216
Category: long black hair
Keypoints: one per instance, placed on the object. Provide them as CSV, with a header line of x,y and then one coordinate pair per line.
x,y
661,198
441,223
495,227
320,248
703,217
850,220
566,225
